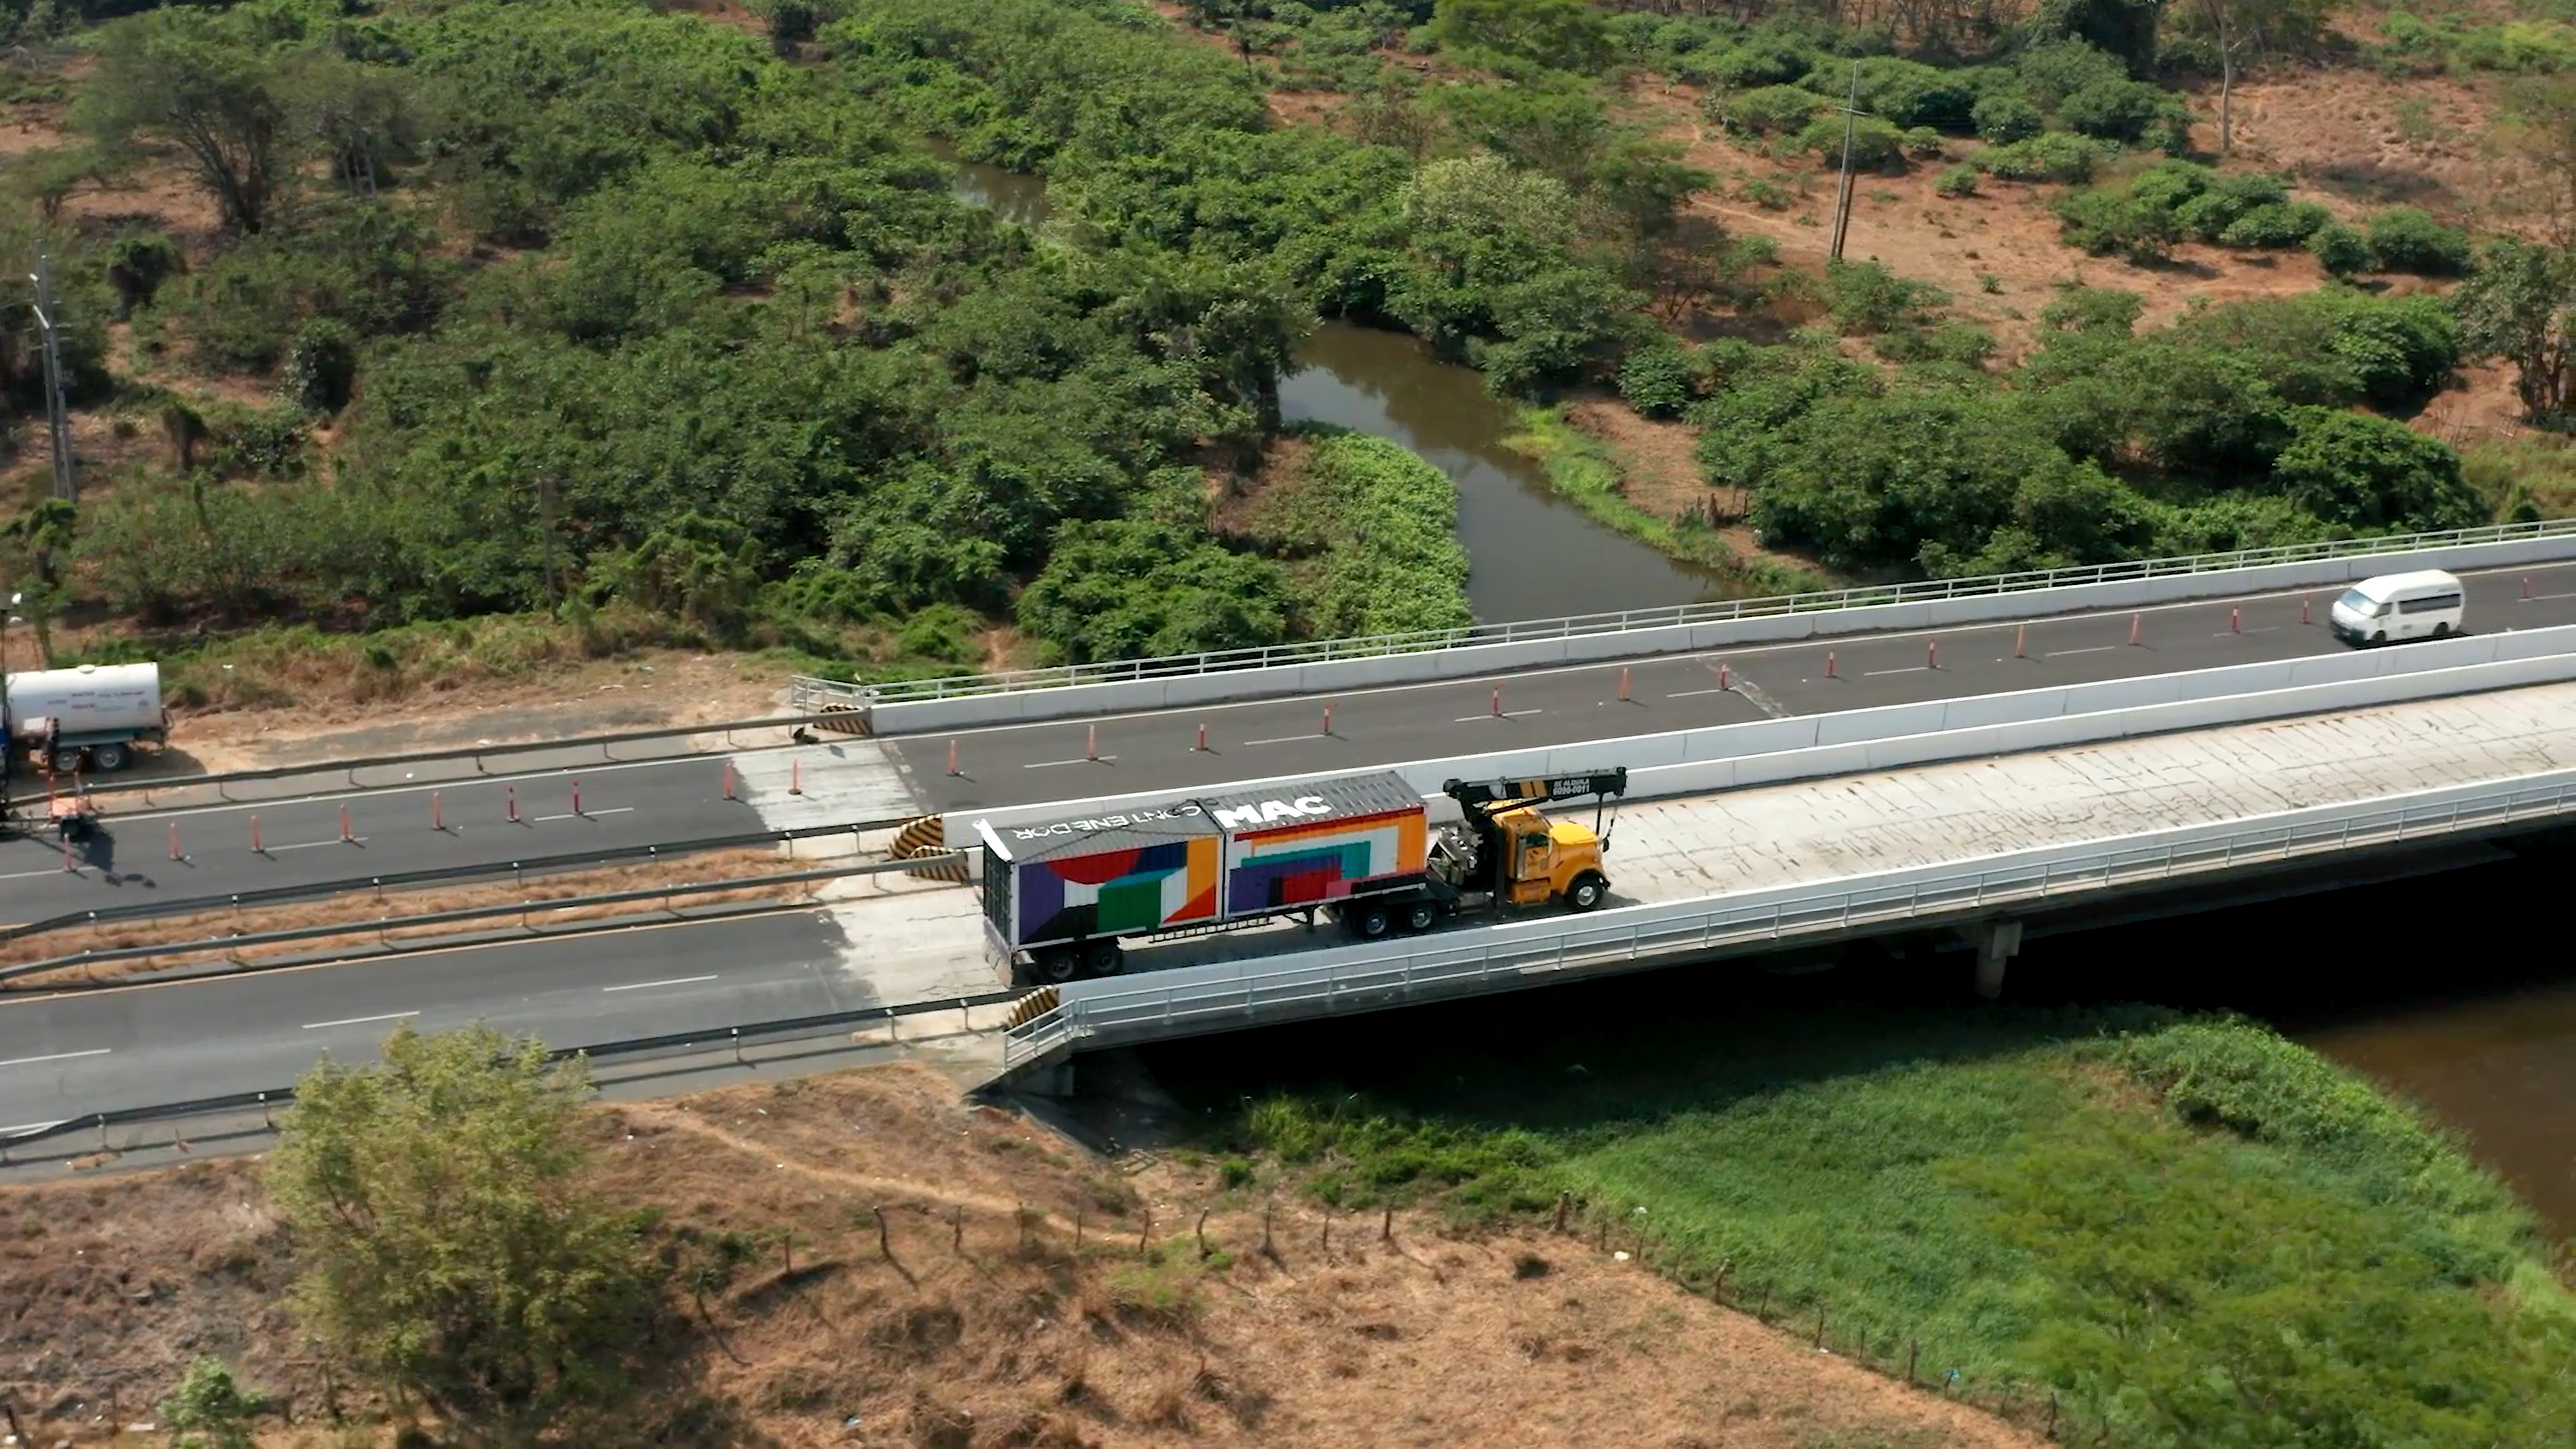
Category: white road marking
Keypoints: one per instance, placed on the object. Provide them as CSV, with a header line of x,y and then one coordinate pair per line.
x,y
31,1127
2536,598
56,1057
2088,649
585,815
1696,693
1908,669
312,845
33,874
1051,764
1489,714
2266,629
1289,739
674,981
1761,701
358,1020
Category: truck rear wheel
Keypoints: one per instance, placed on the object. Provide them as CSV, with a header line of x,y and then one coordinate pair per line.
x,y
1104,958
1419,917
1370,922
1587,892
1058,965
107,759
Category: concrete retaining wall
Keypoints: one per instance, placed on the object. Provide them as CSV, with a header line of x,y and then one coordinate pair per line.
x,y
926,716
1764,752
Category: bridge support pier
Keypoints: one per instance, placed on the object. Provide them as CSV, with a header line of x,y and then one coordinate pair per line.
x,y
1997,942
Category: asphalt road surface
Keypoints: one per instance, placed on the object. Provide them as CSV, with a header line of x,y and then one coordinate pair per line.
x,y
61,1056
665,801
1149,752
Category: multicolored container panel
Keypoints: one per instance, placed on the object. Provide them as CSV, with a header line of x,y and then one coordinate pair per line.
x,y
1148,888
1294,865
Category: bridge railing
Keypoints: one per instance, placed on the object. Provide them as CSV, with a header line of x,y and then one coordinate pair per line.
x,y
809,694
1238,994
797,1034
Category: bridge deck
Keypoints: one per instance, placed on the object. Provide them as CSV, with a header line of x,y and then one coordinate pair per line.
x,y
913,944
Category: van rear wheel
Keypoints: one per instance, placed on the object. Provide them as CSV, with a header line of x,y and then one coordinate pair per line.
x,y
2441,630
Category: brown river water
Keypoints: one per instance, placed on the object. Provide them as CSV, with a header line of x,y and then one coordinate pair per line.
x,y
2448,990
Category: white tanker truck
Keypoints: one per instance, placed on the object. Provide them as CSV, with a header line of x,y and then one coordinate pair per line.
x,y
91,716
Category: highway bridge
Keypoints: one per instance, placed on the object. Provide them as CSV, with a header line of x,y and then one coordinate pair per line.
x,y
1874,807
225,849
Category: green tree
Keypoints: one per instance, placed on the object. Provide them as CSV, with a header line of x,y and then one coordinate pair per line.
x,y
2521,306
182,76
1127,589
1557,34
209,1410
2360,471
448,1245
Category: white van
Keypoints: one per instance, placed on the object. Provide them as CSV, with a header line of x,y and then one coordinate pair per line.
x,y
2421,605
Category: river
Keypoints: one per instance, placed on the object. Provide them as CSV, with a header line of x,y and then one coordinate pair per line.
x,y
1530,554
2428,986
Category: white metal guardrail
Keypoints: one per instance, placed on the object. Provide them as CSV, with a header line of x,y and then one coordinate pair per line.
x,y
810,694
1233,995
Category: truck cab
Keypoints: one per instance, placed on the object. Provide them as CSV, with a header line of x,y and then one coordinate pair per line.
x,y
1512,851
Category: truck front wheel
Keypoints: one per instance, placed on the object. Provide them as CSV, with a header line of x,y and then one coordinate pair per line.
x,y
1587,892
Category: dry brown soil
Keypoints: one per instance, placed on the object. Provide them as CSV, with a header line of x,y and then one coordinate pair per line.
x,y
975,1333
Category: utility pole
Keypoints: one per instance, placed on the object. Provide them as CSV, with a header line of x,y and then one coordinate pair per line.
x,y
58,424
1843,192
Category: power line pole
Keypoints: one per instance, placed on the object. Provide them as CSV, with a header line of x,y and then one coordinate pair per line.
x,y
57,422
1843,192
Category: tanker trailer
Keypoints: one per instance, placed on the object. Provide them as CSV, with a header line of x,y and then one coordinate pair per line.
x,y
89,715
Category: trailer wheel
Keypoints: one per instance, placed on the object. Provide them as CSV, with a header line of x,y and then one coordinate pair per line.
x,y
67,761
1104,958
1587,891
1419,916
1370,922
1059,965
107,759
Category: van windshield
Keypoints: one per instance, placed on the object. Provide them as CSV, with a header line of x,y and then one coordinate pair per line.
x,y
2363,604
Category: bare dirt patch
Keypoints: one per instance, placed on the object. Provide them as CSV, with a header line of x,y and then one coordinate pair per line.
x,y
986,1325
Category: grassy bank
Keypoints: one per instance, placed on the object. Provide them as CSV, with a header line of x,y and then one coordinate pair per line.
x,y
1368,533
1587,473
2192,1231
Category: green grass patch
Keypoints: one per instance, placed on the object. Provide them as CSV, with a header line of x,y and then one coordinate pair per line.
x,y
1586,472
1369,534
2522,478
2192,1230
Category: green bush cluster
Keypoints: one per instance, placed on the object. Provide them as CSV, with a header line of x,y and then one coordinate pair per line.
x,y
1370,535
2175,200
2246,412
2420,44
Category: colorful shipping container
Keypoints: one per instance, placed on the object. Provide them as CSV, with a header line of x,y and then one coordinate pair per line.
x,y
1201,861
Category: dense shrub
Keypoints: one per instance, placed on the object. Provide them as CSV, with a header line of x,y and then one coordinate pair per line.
x,y
1771,110
1657,381
1956,181
2056,156
2113,223
1901,92
2128,111
2408,239
2340,249
2004,117
1874,144
2276,226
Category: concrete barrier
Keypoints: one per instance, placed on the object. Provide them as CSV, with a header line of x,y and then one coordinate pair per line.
x,y
1175,691
1765,752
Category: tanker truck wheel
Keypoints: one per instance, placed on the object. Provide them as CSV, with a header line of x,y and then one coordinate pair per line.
x,y
67,761
107,759
1587,892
